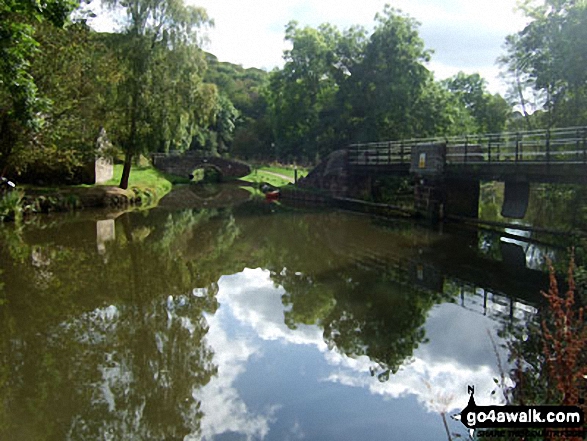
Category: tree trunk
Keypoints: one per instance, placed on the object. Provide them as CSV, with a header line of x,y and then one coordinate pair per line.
x,y
131,146
126,170
7,141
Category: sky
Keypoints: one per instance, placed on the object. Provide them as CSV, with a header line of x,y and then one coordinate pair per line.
x,y
465,35
251,314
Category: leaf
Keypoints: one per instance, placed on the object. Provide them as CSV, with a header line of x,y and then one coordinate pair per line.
x,y
383,376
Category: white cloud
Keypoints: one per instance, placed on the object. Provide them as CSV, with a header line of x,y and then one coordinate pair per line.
x,y
224,411
256,302
465,35
251,309
441,369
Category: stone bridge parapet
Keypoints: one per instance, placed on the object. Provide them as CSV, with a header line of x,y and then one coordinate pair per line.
x,y
185,164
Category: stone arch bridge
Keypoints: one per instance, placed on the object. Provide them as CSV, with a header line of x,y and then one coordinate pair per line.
x,y
175,163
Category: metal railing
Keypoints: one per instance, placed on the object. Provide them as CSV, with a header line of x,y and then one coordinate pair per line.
x,y
380,153
561,146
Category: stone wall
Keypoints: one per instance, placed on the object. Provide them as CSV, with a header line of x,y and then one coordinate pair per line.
x,y
184,165
331,175
428,159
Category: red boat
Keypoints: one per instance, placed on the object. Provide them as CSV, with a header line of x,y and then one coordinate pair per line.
x,y
272,195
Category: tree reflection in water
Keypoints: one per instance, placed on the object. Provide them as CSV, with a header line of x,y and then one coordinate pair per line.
x,y
113,341
100,346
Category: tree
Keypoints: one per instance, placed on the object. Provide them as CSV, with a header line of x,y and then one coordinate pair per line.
x,y
339,87
20,102
490,112
226,116
77,74
441,113
301,95
392,77
181,106
160,33
547,58
244,90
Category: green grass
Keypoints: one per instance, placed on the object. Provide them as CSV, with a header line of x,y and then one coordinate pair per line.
x,y
264,174
287,171
147,177
259,176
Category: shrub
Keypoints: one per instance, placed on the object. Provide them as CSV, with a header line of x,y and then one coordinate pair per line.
x,y
11,205
565,340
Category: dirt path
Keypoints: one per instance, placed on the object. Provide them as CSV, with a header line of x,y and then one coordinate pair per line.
x,y
279,175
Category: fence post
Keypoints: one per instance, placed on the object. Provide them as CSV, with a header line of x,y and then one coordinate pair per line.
x,y
517,146
548,147
498,146
489,148
466,148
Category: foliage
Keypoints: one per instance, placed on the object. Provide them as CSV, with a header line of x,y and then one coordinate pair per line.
x,y
11,206
248,131
489,112
217,138
79,73
393,76
565,341
341,87
180,106
301,96
163,96
548,355
545,61
20,102
51,165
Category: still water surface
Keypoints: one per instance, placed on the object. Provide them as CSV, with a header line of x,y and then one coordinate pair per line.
x,y
252,322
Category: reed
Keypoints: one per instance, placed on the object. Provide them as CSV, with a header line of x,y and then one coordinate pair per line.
x,y
565,340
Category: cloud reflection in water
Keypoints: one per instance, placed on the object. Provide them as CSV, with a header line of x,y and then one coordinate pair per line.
x,y
251,314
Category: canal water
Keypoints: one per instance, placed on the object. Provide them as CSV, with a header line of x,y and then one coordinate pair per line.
x,y
254,321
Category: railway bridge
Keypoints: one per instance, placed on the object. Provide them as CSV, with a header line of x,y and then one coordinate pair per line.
x,y
448,170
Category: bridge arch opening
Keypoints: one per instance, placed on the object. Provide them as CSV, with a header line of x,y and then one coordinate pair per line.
x,y
206,173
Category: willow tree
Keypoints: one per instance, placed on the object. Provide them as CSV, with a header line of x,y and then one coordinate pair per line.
x,y
163,99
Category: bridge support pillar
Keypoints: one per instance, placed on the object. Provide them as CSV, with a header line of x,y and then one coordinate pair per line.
x,y
360,187
436,198
429,198
462,198
515,199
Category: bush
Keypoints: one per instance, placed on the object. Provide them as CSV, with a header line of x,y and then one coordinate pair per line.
x,y
11,206
54,166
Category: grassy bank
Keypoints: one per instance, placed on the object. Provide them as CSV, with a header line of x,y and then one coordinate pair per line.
x,y
146,186
145,179
278,176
